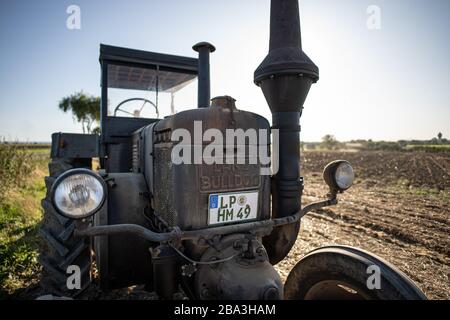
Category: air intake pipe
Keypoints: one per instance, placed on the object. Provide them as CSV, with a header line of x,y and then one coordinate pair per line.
x,y
285,77
204,90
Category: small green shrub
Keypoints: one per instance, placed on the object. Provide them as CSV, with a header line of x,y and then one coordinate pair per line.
x,y
16,164
22,187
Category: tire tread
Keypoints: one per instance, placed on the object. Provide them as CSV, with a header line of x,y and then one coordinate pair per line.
x,y
59,247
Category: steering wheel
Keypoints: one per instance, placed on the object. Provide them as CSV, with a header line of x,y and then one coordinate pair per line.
x,y
136,112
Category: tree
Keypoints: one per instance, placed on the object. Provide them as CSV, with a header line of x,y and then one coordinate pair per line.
x,y
439,135
329,142
85,109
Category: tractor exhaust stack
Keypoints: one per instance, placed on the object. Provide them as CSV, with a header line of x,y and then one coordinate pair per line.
x,y
285,77
204,87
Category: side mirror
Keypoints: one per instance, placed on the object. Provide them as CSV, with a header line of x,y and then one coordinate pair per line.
x,y
338,175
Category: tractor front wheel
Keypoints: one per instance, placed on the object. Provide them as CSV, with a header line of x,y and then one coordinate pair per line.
x,y
347,273
59,248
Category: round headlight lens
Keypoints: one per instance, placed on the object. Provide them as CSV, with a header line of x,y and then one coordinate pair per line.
x,y
344,175
78,194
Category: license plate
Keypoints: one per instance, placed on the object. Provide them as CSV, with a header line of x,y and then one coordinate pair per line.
x,y
232,207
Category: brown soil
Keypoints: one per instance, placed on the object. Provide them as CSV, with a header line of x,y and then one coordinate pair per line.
x,y
408,226
415,169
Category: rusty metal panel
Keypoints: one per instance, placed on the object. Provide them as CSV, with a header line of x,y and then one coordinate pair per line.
x,y
74,145
181,191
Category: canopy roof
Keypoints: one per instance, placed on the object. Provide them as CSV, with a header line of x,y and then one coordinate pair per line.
x,y
141,70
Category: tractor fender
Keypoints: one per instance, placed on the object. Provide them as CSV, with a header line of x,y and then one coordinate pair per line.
x,y
343,272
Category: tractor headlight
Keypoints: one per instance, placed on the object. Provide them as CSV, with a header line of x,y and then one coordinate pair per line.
x,y
78,193
339,175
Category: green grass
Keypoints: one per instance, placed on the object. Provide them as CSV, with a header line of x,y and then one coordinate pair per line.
x,y
444,195
39,151
403,187
20,213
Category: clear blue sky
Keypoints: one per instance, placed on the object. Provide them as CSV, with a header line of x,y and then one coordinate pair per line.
x,y
392,83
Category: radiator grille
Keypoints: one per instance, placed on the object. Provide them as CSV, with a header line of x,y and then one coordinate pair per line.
x,y
163,193
135,150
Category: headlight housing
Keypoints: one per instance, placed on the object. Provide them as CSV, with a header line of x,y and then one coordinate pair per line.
x,y
78,193
339,175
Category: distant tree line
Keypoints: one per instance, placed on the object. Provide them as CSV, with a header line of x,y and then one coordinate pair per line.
x,y
329,142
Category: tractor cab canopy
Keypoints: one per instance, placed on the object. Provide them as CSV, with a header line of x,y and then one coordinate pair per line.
x,y
139,87
153,73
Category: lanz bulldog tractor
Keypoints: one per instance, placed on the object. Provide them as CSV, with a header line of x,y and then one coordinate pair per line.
x,y
159,212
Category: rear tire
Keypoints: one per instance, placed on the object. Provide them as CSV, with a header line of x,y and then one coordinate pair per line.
x,y
341,273
59,248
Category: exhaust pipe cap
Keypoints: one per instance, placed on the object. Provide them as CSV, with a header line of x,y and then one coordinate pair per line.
x,y
285,56
203,44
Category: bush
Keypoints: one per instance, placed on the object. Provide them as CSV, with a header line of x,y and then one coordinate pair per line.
x,y
16,164
381,145
22,171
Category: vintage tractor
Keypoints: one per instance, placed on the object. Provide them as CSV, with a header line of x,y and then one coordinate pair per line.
x,y
157,212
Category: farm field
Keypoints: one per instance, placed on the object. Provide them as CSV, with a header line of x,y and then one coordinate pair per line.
x,y
398,208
